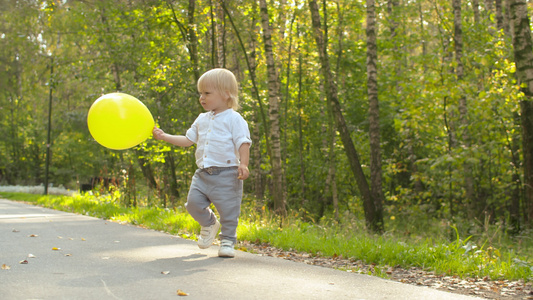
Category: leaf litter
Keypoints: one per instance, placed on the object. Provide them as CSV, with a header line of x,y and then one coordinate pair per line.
x,y
479,287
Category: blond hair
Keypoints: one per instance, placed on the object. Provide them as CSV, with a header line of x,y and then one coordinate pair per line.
x,y
224,82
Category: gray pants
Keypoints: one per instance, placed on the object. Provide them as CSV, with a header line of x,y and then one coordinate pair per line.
x,y
221,187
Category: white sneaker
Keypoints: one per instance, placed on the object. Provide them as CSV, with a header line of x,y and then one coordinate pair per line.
x,y
207,235
226,249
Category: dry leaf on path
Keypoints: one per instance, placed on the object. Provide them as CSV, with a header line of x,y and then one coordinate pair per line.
x,y
182,293
23,262
5,267
165,272
56,249
31,256
33,235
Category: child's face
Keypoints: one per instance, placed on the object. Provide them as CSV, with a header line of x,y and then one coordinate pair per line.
x,y
213,100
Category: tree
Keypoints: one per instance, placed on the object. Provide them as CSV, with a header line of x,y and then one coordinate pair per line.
x,y
463,107
274,99
371,215
523,52
373,112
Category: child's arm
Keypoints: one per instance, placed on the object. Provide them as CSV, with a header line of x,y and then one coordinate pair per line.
x,y
178,140
244,152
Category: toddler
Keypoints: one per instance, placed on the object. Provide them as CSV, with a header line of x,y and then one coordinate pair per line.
x,y
222,154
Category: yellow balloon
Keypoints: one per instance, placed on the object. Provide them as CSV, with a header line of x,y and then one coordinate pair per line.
x,y
119,121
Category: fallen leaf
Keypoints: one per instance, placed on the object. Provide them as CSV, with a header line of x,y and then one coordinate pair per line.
x,y
5,267
59,237
33,235
31,255
56,249
23,262
83,239
165,272
68,254
15,230
182,293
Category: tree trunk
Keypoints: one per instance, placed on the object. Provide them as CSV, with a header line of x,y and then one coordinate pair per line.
x,y
331,186
373,110
214,35
372,221
463,108
273,95
191,40
514,205
523,51
475,8
147,170
499,14
171,179
115,68
489,6
526,110
303,191
255,89
221,37
507,18
257,175
250,62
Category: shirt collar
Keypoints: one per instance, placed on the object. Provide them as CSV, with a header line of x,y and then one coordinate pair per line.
x,y
212,113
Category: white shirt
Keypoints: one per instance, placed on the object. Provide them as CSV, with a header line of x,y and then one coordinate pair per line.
x,y
218,138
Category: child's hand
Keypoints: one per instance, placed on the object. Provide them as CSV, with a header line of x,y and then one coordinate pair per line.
x,y
158,133
243,172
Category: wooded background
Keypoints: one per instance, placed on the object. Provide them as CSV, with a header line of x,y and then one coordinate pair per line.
x,y
383,108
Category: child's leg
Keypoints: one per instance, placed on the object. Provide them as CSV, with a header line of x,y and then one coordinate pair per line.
x,y
227,197
197,202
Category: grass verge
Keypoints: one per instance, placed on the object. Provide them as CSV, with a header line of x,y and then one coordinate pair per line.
x,y
461,257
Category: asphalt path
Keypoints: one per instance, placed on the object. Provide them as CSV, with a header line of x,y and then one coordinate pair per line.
x,y
69,256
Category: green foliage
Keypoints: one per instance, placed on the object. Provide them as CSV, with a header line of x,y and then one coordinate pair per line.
x,y
144,48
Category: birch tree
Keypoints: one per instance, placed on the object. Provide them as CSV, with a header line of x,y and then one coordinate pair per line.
x,y
373,111
274,99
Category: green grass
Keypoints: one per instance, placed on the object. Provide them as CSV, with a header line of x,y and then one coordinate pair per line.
x,y
484,254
